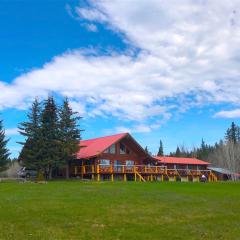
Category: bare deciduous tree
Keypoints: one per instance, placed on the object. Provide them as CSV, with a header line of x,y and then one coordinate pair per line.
x,y
227,156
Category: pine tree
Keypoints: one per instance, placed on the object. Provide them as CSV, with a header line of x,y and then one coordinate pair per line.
x,y
4,152
160,150
49,144
69,134
146,149
233,133
178,152
30,129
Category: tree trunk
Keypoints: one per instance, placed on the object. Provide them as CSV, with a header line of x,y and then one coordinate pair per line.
x,y
67,170
50,174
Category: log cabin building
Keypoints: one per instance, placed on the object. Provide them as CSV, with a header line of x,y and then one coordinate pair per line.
x,y
120,157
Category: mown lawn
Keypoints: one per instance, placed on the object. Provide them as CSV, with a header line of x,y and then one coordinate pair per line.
x,y
88,210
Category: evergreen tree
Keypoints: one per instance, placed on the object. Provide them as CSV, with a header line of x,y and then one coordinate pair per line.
x,y
30,129
203,151
146,150
69,134
49,144
233,133
160,150
4,152
178,152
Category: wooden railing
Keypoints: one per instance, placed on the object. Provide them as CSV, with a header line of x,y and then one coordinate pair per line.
x,y
142,169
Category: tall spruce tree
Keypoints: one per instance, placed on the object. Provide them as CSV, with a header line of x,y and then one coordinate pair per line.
x,y
233,133
160,150
4,152
178,152
30,129
49,144
69,134
146,149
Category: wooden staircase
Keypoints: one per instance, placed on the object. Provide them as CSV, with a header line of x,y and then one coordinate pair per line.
x,y
140,176
212,177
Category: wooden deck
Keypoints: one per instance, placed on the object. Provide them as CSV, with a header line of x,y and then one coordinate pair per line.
x,y
141,173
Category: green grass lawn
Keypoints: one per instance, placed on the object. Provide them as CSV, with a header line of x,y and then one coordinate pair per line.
x,y
90,210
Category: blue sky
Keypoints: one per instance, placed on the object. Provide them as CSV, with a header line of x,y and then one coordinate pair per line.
x,y
158,69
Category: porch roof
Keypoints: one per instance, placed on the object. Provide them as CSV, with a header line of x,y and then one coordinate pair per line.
x,y
178,160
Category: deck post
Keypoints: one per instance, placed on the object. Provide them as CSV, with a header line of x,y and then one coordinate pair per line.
x,y
162,177
151,177
112,177
124,177
135,175
92,172
82,170
98,175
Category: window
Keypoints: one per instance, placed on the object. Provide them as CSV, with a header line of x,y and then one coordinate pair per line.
x,y
201,167
122,149
105,162
111,150
117,166
192,167
180,166
129,164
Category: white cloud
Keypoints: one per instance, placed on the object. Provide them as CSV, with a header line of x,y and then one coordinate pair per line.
x,y
228,114
11,131
91,14
141,128
90,27
189,55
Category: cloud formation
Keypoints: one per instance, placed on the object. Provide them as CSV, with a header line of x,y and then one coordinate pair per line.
x,y
229,114
189,54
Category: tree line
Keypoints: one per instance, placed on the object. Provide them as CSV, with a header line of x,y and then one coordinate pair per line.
x,y
225,153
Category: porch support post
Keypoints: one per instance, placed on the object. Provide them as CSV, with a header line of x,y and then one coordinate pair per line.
x,y
124,177
82,169
112,177
98,175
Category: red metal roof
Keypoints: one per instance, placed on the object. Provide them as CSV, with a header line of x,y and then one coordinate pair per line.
x,y
95,146
178,160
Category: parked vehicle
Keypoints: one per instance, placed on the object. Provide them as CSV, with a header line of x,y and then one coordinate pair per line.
x,y
27,173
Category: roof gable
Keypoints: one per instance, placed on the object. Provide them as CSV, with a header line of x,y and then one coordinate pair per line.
x,y
95,146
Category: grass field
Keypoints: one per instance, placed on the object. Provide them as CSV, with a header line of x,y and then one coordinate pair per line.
x,y
88,210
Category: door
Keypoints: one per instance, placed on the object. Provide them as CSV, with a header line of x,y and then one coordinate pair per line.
x,y
117,166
